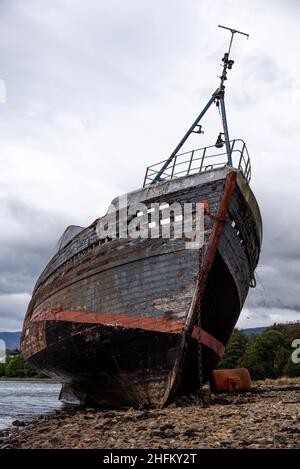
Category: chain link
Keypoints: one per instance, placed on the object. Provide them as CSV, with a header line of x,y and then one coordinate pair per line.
x,y
200,369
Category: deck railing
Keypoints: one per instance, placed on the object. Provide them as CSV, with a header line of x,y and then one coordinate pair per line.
x,y
201,160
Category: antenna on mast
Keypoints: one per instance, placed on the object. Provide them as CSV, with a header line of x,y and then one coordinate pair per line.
x,y
218,97
228,63
220,92
233,31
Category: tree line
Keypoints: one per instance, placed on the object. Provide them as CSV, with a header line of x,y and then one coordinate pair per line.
x,y
16,367
265,355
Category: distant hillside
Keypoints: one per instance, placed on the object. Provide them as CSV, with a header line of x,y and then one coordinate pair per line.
x,y
11,339
254,330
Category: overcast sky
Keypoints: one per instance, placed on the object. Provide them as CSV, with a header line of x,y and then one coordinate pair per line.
x,y
97,90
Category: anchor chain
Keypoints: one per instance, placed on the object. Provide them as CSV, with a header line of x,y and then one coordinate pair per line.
x,y
199,345
200,370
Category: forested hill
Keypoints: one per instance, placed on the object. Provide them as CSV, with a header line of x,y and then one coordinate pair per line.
x,y
267,354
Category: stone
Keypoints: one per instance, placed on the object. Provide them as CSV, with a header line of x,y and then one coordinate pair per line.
x,y
190,432
167,426
19,423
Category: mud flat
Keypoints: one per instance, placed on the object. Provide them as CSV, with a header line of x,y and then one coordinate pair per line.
x,y
266,417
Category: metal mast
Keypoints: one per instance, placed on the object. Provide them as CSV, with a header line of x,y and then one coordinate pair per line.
x,y
218,97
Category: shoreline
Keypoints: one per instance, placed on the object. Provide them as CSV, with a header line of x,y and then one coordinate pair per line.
x,y
30,379
266,417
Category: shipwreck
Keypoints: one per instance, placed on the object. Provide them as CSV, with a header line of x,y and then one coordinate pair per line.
x,y
131,321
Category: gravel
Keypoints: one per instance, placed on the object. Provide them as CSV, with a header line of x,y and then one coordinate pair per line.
x,y
266,417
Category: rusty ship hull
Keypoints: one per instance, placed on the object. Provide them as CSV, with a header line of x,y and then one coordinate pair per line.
x,y
116,320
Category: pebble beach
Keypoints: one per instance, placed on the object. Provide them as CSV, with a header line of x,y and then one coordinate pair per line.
x,y
266,417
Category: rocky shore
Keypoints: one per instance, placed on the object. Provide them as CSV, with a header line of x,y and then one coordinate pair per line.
x,y
266,417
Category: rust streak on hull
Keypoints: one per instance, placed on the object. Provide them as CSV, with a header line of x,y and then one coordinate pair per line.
x,y
149,324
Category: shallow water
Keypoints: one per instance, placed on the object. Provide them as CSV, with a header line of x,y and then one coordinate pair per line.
x,y
24,400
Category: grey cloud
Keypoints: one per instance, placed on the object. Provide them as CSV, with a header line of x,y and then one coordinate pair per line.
x,y
13,308
26,239
278,275
257,317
